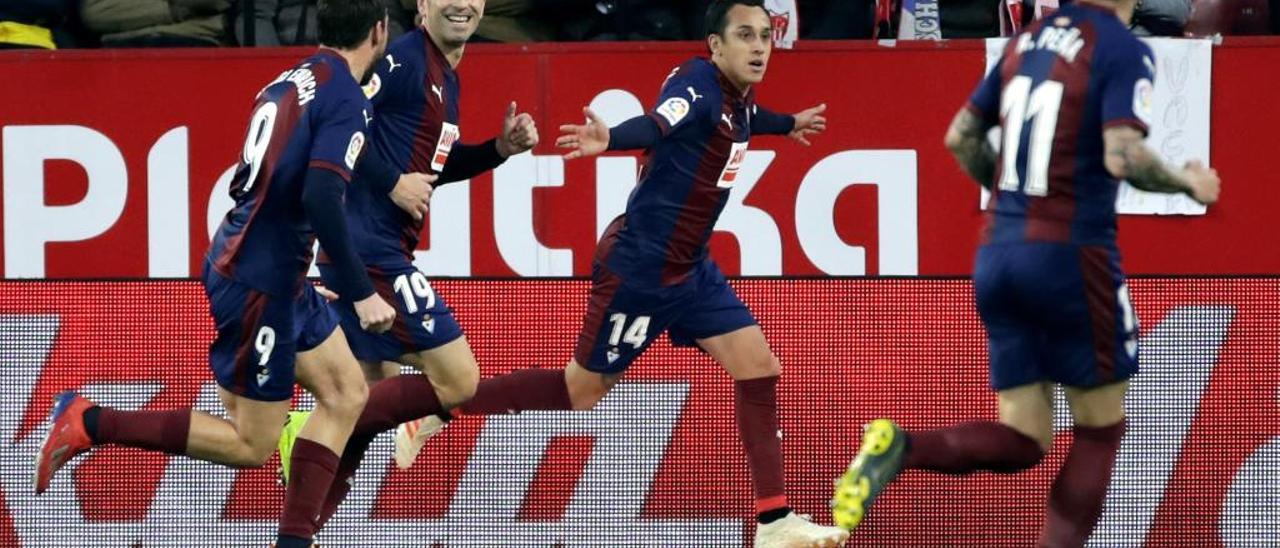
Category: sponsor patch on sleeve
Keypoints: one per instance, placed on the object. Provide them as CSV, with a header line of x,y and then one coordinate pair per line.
x,y
674,110
1144,100
373,87
353,149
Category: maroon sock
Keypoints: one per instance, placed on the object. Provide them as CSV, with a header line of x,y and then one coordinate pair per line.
x,y
971,447
522,390
154,430
401,398
756,407
310,477
1075,501
347,467
392,401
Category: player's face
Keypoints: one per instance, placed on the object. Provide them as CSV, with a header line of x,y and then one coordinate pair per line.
x,y
742,52
452,22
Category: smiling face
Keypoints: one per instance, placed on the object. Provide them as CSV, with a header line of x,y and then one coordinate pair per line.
x,y
451,22
741,49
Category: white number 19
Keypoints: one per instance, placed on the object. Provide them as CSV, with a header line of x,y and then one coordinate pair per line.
x,y
412,287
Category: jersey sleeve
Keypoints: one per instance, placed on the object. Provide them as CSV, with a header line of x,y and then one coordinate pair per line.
x,y
392,79
686,97
1128,93
338,137
985,101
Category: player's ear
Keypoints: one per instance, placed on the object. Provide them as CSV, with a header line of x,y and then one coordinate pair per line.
x,y
714,41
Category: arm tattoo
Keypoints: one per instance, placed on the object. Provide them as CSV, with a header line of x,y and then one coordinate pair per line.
x,y
972,150
1145,172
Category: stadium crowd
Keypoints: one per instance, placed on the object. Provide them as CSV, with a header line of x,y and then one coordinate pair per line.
x,y
55,24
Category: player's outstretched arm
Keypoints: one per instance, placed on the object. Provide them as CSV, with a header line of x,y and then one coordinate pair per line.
x,y
798,127
588,139
1129,158
967,141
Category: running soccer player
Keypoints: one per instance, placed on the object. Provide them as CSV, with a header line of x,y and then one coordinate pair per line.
x,y
415,94
1072,96
305,136
652,272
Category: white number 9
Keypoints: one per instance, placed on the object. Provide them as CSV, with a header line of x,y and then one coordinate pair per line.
x,y
264,343
256,143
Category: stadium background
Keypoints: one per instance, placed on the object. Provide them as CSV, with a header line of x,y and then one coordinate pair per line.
x,y
657,463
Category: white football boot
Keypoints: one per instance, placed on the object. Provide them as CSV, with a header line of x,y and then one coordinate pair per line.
x,y
412,435
796,531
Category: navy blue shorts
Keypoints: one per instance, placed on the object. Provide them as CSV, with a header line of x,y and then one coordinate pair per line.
x,y
423,320
622,321
1055,312
260,335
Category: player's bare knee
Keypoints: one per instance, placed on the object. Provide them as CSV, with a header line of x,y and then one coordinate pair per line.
x,y
773,367
345,400
587,393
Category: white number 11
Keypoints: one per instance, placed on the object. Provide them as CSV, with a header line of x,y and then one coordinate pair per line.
x,y
1018,104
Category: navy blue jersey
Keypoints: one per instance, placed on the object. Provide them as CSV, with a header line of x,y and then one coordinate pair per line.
x,y
415,93
1060,83
685,178
313,115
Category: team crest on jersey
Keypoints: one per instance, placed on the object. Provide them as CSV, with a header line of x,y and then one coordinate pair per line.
x,y
674,110
1144,100
373,87
449,134
730,174
354,148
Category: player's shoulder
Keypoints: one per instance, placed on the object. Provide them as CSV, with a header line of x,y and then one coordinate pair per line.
x,y
407,51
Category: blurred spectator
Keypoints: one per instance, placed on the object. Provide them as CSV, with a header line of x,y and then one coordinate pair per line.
x,y
36,23
935,19
1209,17
840,20
293,22
1161,17
161,23
516,21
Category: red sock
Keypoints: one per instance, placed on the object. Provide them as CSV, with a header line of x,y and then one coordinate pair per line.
x,y
971,447
522,390
756,407
401,398
154,430
1075,502
393,401
310,477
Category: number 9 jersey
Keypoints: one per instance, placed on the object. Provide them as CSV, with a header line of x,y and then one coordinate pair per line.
x,y
312,116
1048,281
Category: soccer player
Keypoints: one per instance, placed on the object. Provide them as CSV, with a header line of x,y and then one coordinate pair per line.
x,y
305,136
1072,95
414,92
652,272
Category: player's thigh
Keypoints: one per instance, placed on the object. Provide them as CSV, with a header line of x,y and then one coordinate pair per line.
x,y
376,371
257,423
451,368
743,353
1029,410
331,373
1098,406
587,387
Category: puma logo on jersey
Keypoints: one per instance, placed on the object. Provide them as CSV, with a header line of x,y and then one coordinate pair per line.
x,y
367,119
693,93
727,121
393,64
439,94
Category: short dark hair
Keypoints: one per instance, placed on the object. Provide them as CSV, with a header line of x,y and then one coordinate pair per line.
x,y
344,24
718,13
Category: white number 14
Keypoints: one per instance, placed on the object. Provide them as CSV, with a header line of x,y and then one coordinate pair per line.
x,y
635,335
